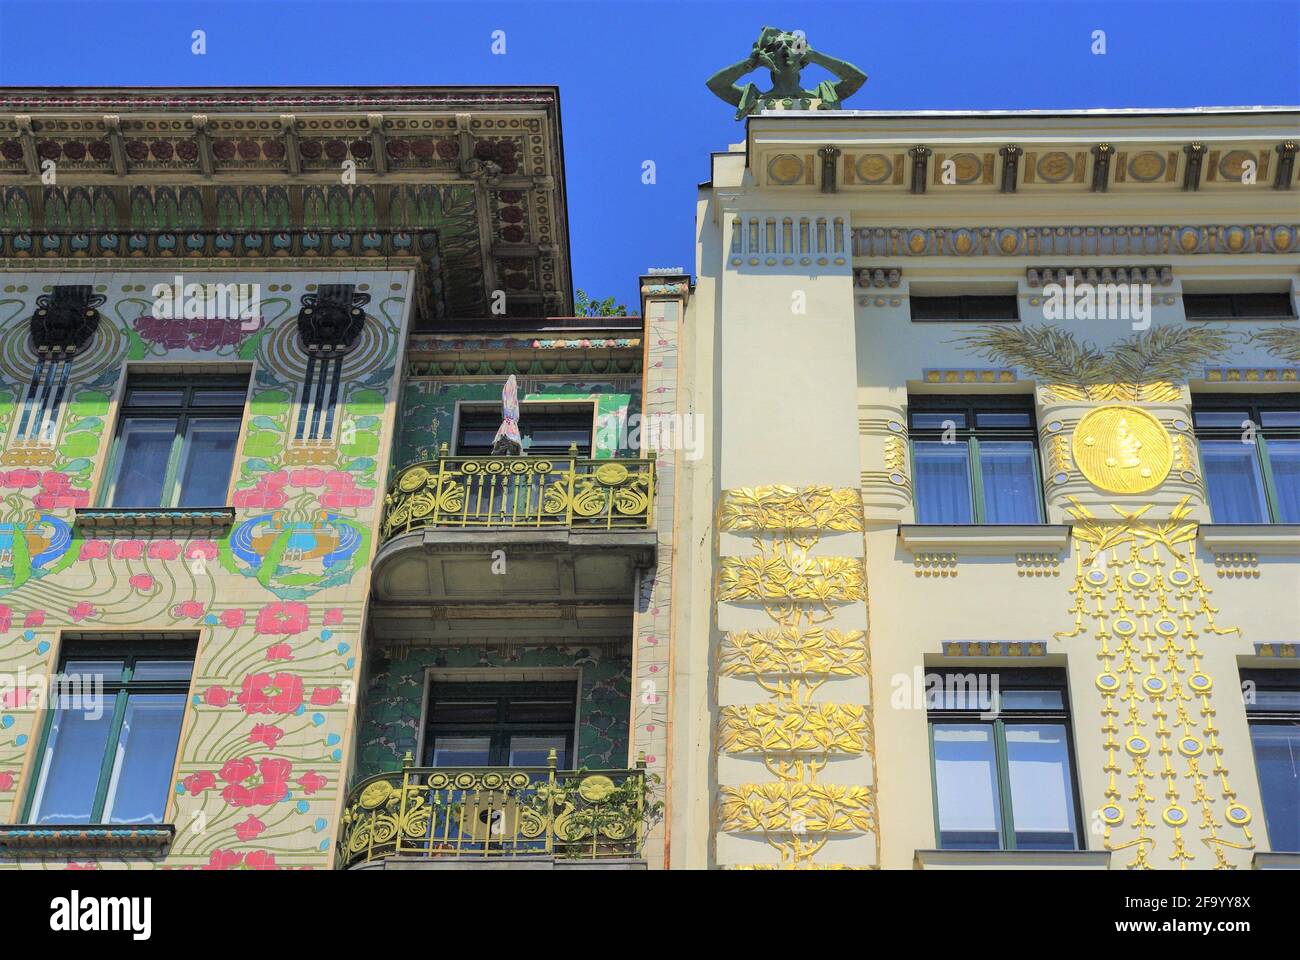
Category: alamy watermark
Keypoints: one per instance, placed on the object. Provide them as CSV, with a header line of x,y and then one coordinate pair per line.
x,y
81,692
658,431
1098,301
970,692
196,301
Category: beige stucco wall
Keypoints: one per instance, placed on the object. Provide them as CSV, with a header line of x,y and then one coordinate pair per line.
x,y
779,389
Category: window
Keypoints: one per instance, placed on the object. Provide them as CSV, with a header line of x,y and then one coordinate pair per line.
x,y
1273,711
1002,762
547,429
112,731
964,308
175,442
500,724
1237,306
975,460
1250,456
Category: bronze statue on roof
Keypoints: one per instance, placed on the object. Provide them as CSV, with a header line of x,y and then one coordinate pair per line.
x,y
785,54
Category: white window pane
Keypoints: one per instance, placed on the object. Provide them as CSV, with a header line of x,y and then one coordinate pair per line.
x,y
206,461
1042,796
535,751
462,751
1284,457
142,766
1234,482
941,478
966,780
74,754
144,447
1010,482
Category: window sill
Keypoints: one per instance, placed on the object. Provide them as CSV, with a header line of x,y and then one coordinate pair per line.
x,y
965,319
1274,538
1275,860
984,539
1011,859
152,840
1277,319
202,520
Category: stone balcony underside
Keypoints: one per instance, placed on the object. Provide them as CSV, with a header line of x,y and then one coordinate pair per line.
x,y
437,566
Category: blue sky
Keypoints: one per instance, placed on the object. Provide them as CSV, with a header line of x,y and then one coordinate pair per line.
x,y
631,74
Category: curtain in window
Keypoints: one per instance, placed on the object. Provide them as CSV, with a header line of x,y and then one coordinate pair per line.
x,y
1233,480
966,780
142,766
74,754
1042,796
209,454
1277,758
941,479
1010,482
144,449
1284,458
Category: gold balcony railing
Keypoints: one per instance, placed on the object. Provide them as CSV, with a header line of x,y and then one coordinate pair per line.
x,y
521,493
479,812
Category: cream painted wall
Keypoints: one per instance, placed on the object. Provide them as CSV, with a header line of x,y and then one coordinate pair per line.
x,y
809,399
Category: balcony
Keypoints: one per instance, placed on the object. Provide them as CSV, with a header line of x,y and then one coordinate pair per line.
x,y
569,529
521,493
474,816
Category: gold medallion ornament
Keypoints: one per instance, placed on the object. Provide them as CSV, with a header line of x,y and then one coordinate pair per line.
x,y
1123,450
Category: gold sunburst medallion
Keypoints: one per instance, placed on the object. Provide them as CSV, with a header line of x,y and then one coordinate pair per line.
x,y
1123,450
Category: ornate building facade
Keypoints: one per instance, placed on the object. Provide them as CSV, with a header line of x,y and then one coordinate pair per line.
x,y
949,516
1000,503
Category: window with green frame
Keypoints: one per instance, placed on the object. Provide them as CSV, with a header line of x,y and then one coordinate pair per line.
x,y
175,442
1001,760
974,459
111,732
546,429
1250,455
1273,713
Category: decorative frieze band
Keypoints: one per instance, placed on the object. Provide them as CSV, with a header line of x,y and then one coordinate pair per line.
x,y
1075,241
1156,276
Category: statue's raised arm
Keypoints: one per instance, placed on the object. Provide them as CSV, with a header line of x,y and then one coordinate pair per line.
x,y
850,77
784,55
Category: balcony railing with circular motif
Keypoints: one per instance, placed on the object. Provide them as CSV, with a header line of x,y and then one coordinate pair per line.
x,y
491,812
521,493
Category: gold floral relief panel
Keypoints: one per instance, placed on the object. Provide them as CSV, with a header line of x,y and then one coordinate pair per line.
x,y
1139,591
839,653
781,507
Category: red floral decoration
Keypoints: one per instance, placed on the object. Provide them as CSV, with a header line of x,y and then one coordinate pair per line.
x,y
283,616
264,693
